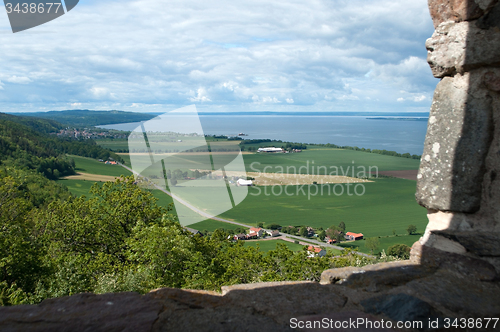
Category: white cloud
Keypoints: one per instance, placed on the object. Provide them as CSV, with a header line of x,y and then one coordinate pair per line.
x,y
76,104
18,80
201,95
324,53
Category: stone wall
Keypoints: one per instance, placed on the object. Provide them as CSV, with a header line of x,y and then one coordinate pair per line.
x,y
458,179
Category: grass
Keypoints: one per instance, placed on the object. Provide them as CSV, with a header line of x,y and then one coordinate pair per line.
x,y
211,225
387,205
113,144
385,242
266,246
92,166
78,187
334,160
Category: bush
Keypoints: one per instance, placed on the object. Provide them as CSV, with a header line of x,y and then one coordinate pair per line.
x,y
399,250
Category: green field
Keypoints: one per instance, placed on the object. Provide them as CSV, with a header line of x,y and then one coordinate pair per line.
x,y
334,160
266,246
78,187
385,242
113,144
211,225
92,166
387,205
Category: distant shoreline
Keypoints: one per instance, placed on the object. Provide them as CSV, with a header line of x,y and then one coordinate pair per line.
x,y
400,119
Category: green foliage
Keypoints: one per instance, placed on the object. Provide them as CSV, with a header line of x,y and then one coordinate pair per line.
x,y
322,235
273,226
399,250
120,240
24,148
372,243
87,118
412,229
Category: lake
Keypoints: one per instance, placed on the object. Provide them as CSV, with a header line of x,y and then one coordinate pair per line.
x,y
394,135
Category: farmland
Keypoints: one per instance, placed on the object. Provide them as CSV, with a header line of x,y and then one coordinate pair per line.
x,y
92,166
388,204
380,208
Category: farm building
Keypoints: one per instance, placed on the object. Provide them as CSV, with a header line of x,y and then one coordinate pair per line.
x,y
353,236
257,231
271,150
240,236
193,231
242,182
316,251
273,233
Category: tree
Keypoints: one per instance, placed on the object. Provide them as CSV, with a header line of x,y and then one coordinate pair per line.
x,y
274,226
372,243
322,235
342,227
260,224
334,233
399,250
412,229
303,231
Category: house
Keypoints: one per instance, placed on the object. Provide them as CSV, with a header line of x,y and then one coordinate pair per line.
x,y
193,231
273,233
240,236
330,241
353,236
316,251
258,231
242,182
251,236
310,231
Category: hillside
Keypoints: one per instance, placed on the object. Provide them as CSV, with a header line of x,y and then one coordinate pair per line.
x,y
39,125
88,118
23,147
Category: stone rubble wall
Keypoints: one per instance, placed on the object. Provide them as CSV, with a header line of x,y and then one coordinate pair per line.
x,y
459,176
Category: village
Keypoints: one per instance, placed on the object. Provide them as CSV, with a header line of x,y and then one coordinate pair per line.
x,y
256,233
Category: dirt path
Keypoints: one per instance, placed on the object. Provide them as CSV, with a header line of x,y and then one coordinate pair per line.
x,y
405,174
90,177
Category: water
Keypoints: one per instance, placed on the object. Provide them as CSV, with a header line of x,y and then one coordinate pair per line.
x,y
393,135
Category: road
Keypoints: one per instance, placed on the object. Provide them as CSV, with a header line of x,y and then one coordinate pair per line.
x,y
209,216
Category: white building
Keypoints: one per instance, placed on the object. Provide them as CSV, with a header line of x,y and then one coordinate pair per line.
x,y
271,150
242,182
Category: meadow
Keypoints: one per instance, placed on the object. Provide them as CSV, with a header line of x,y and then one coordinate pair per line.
x,y
92,166
314,156
387,205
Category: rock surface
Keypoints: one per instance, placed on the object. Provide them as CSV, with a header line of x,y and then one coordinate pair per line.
x,y
458,137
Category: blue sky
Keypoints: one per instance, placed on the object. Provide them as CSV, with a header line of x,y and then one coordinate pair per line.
x,y
153,56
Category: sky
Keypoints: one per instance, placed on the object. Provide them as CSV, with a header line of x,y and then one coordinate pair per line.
x,y
254,55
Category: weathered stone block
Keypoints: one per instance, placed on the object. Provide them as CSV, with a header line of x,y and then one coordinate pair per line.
x,y
460,47
456,10
458,137
401,307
